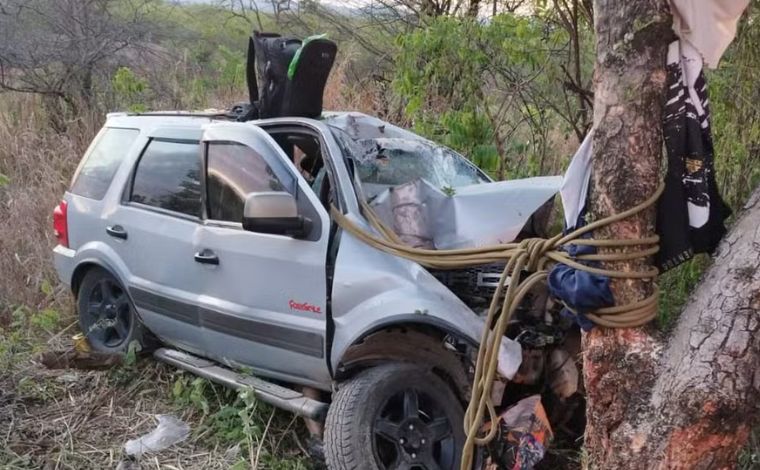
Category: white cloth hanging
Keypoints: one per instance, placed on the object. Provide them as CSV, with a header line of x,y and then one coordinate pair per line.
x,y
709,25
575,182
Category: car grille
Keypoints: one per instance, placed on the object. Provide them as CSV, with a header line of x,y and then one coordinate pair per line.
x,y
475,286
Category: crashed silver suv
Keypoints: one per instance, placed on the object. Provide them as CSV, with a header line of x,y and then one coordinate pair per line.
x,y
210,242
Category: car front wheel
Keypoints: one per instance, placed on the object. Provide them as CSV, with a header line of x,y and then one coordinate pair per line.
x,y
394,416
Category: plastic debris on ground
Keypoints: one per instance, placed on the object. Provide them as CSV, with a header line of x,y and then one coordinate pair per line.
x,y
523,436
170,431
80,343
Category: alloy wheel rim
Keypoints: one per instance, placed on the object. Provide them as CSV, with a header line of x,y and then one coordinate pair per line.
x,y
108,314
412,431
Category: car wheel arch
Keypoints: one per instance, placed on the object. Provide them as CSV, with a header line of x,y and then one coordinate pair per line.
x,y
414,342
83,268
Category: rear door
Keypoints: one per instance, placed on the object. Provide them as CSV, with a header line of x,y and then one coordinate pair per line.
x,y
153,229
264,296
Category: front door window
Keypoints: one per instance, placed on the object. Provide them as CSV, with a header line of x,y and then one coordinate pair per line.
x,y
235,171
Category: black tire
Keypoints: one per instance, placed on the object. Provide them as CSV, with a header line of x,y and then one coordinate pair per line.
x,y
106,314
374,424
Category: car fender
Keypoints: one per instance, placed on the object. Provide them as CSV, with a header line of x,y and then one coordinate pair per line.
x,y
344,339
373,290
100,254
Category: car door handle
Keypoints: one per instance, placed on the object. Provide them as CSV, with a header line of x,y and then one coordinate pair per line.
x,y
116,231
206,257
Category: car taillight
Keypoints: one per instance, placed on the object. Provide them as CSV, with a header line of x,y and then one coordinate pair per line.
x,y
61,223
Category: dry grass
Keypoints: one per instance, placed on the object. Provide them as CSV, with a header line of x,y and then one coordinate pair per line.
x,y
81,419
37,165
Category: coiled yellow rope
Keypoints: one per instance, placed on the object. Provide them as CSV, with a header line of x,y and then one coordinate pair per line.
x,y
530,255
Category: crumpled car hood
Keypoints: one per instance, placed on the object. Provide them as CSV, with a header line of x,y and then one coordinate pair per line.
x,y
425,216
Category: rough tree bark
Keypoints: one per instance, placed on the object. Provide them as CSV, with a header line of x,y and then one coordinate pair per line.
x,y
687,401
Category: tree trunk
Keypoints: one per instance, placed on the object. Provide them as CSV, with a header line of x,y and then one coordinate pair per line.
x,y
619,364
682,402
705,399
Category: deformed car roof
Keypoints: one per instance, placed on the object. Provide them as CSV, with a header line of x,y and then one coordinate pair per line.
x,y
363,126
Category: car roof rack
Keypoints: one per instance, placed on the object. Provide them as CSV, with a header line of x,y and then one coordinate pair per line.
x,y
216,115
238,112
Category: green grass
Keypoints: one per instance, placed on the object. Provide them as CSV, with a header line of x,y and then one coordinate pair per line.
x,y
676,286
749,459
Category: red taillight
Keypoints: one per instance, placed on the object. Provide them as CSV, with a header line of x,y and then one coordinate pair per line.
x,y
61,223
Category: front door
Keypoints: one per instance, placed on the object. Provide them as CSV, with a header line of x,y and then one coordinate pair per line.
x,y
264,296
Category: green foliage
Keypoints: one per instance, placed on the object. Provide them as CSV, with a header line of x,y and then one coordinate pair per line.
x,y
4,180
129,370
192,391
30,322
749,459
231,418
675,287
46,319
130,90
231,68
226,424
735,116
197,92
130,358
471,133
46,287
491,91
38,388
19,339
14,347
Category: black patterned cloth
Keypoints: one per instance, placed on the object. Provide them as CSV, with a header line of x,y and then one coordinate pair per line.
x,y
690,213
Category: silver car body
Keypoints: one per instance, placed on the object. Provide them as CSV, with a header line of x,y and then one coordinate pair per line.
x,y
266,306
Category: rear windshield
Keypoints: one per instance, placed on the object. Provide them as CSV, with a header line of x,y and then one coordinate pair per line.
x,y
96,171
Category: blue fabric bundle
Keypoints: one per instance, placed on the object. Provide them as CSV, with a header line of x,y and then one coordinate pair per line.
x,y
582,291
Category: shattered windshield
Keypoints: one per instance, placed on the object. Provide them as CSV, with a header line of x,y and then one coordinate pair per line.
x,y
392,162
384,162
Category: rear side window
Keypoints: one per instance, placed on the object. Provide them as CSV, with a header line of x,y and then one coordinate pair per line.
x,y
234,171
168,177
96,172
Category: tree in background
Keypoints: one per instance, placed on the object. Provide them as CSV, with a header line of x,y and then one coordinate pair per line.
x,y
60,49
496,90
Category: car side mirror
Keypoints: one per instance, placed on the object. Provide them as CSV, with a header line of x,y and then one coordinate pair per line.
x,y
275,213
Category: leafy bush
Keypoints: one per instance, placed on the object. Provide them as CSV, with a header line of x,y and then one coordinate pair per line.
x,y
490,90
130,91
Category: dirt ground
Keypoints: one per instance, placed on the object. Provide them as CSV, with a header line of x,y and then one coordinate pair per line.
x,y
81,419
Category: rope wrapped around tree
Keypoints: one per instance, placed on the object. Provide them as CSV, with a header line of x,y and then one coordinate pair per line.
x,y
532,255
